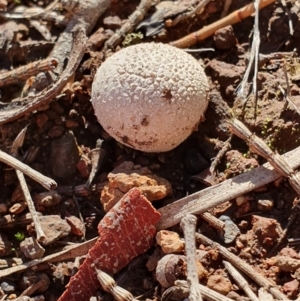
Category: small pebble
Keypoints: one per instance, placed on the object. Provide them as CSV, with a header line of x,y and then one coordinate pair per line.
x,y
265,205
169,241
8,286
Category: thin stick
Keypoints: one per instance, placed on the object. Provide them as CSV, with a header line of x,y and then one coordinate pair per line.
x,y
226,8
46,182
134,19
40,235
242,90
228,190
283,3
188,225
70,253
24,72
288,100
240,280
206,292
17,144
213,221
22,106
292,217
190,13
243,266
209,30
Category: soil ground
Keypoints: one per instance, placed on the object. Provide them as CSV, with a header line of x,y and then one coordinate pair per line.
x,y
72,111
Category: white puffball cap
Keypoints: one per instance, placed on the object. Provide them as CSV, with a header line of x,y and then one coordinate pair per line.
x,y
150,96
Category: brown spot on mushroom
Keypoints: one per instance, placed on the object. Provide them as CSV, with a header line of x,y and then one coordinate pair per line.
x,y
145,120
167,94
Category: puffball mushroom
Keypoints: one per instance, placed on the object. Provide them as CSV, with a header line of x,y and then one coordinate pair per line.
x,y
150,96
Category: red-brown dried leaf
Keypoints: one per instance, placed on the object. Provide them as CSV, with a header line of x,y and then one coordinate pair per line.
x,y
126,231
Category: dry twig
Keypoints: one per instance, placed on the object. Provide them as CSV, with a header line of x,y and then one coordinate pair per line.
x,y
134,19
235,17
287,93
33,174
84,13
240,280
40,235
188,225
18,142
24,72
22,106
242,90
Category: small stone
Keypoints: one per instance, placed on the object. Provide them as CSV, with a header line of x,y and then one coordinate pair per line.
x,y
153,260
41,120
96,40
242,209
289,252
56,131
169,241
219,284
267,230
286,264
112,22
31,248
47,199
231,230
224,38
64,156
127,176
8,286
77,226
54,228
291,288
265,205
84,166
3,208
242,199
17,208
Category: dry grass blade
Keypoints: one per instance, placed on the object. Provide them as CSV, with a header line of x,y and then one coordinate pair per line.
x,y
240,280
233,18
260,147
242,90
24,72
210,197
110,286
